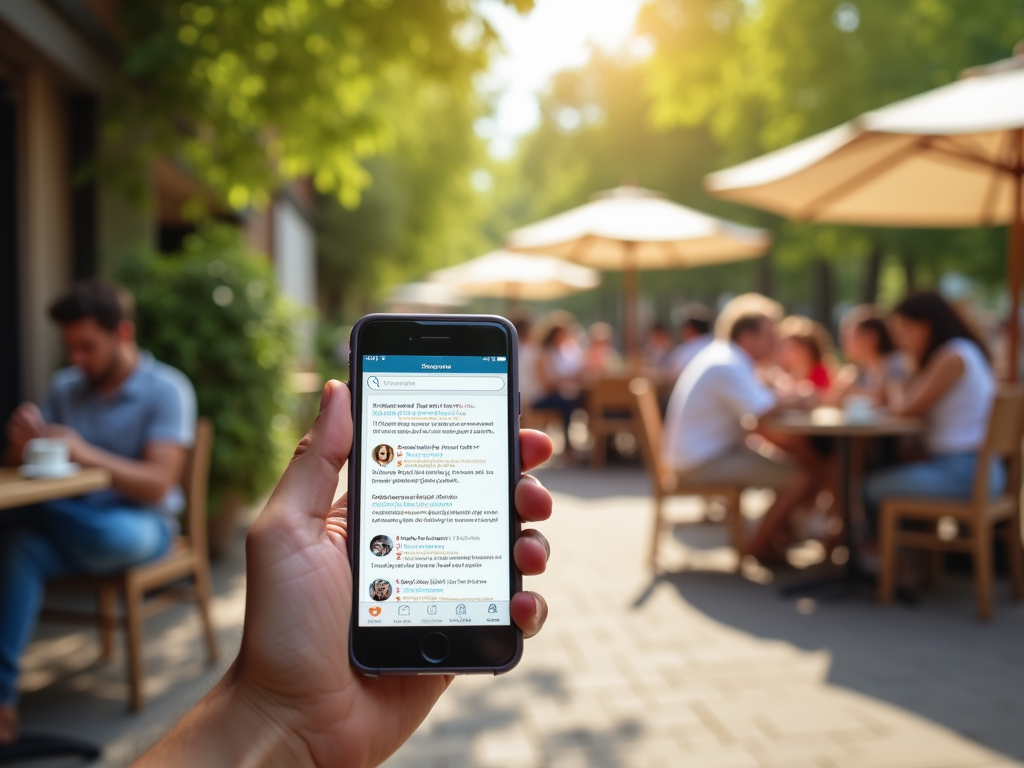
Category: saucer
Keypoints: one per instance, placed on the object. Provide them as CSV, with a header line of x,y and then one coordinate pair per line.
x,y
38,471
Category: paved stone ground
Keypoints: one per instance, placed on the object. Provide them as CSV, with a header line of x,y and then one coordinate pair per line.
x,y
700,668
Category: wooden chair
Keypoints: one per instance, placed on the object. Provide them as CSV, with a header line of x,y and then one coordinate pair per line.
x,y
187,560
665,482
610,409
540,418
979,515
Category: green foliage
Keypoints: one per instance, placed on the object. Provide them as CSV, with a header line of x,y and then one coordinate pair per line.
x,y
421,212
213,311
761,75
251,91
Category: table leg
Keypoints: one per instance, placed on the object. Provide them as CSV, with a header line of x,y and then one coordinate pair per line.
x,y
841,585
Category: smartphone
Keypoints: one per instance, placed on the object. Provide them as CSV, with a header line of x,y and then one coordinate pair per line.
x,y
432,473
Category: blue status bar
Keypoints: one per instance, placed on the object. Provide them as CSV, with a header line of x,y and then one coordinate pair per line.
x,y
434,364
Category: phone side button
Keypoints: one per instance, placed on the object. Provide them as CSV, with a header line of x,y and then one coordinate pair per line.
x,y
435,647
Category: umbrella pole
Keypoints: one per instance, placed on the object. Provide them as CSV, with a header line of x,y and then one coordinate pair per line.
x,y
630,307
1015,261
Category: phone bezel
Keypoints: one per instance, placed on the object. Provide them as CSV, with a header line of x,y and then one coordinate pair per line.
x,y
396,650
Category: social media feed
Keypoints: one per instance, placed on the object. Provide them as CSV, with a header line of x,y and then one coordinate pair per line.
x,y
434,510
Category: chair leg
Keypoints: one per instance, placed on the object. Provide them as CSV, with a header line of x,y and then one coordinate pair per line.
x,y
133,624
1015,555
887,524
203,593
599,451
982,535
934,562
656,532
106,598
734,520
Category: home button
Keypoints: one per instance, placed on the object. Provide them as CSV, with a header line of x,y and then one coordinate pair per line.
x,y
435,647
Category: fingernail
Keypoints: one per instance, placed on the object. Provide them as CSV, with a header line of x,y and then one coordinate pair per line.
x,y
537,609
325,396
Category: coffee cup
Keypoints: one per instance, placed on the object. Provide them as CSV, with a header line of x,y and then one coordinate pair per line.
x,y
859,408
46,453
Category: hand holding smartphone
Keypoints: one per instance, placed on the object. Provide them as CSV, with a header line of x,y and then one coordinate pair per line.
x,y
432,479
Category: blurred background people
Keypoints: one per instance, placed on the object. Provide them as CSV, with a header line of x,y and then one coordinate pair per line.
x,y
601,355
658,346
953,389
705,430
805,354
877,366
559,367
695,334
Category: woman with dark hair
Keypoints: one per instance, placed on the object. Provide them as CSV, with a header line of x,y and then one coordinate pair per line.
x,y
867,345
953,390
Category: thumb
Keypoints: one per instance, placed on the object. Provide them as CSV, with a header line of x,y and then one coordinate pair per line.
x,y
308,486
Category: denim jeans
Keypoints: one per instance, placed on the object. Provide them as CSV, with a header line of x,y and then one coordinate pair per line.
x,y
62,538
946,477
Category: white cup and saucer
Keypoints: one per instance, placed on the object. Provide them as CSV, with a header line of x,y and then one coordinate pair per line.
x,y
859,409
47,457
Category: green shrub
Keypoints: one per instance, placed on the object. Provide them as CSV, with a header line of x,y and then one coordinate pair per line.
x,y
213,311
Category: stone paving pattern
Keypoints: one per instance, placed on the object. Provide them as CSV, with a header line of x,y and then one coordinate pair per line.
x,y
700,668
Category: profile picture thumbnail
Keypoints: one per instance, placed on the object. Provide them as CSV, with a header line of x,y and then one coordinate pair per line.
x,y
380,590
381,545
383,454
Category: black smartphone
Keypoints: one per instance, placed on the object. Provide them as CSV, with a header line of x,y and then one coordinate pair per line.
x,y
431,478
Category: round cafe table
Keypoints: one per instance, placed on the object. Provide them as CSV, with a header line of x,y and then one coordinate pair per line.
x,y
835,423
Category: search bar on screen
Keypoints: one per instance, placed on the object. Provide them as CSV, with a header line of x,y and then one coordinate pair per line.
x,y
435,383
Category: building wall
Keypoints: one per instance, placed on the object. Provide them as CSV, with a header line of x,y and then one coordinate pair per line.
x,y
45,241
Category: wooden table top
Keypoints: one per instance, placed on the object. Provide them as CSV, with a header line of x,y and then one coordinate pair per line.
x,y
17,491
833,421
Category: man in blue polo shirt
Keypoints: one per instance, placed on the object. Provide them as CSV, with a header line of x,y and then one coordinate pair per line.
x,y
118,409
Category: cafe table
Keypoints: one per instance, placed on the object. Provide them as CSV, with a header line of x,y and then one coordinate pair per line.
x,y
18,491
844,429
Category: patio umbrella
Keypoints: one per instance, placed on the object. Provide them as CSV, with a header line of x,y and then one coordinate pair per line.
x,y
950,157
629,229
513,276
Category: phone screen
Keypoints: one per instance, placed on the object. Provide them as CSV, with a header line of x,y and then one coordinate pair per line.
x,y
434,508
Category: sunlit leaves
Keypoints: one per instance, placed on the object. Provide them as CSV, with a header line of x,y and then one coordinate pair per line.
x,y
252,91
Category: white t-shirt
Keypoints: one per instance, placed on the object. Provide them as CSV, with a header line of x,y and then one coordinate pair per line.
x,y
718,387
683,354
958,422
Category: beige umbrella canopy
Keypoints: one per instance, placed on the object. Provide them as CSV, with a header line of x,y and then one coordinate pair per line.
x,y
629,229
951,157
516,277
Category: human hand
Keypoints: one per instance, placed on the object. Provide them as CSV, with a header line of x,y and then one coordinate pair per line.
x,y
77,446
26,423
292,691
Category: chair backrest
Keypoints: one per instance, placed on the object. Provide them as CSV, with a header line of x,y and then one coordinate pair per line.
x,y
1003,442
611,393
196,482
648,416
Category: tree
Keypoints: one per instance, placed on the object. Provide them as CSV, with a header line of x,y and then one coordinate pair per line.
x,y
249,92
763,74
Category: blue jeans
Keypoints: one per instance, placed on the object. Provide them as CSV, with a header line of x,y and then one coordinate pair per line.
x,y
62,538
946,477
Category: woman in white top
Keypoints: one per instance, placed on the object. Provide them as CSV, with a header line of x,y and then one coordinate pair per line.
x,y
953,390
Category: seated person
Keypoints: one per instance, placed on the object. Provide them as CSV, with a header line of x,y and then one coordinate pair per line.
x,y
695,333
804,351
706,440
559,367
118,409
878,366
601,356
658,347
953,390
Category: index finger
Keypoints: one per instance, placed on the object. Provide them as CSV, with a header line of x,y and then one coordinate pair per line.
x,y
534,447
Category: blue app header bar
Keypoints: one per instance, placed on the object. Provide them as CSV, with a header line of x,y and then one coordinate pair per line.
x,y
433,364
